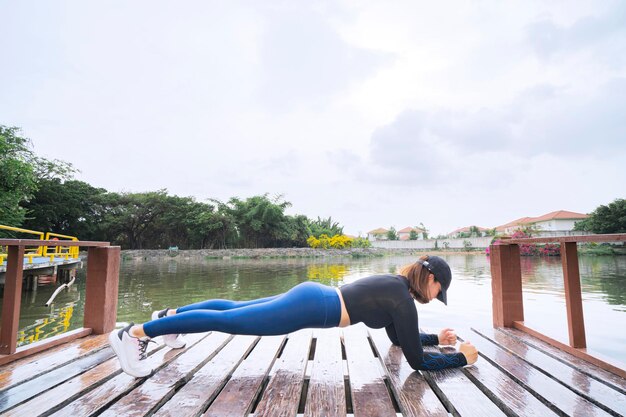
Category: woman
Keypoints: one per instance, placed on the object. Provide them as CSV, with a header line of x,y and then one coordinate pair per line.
x,y
377,301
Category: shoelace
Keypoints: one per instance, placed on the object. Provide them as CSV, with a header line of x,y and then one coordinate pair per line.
x,y
143,346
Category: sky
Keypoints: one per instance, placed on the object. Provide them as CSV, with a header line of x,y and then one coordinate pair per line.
x,y
376,113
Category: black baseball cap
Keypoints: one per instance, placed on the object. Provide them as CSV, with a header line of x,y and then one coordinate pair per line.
x,y
441,270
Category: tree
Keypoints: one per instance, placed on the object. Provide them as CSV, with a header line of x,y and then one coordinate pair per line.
x,y
70,208
413,235
325,227
391,234
129,219
474,231
20,173
260,221
424,230
17,175
297,231
606,219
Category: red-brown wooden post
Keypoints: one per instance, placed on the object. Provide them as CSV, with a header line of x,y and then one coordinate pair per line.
x,y
506,285
12,300
103,271
573,297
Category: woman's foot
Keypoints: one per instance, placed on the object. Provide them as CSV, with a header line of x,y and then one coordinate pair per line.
x,y
175,341
130,351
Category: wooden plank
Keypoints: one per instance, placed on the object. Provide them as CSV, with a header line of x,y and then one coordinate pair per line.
x,y
55,398
370,396
414,395
195,396
540,385
326,394
43,345
573,379
616,237
573,295
20,393
460,395
157,389
510,396
505,392
237,397
103,274
11,301
98,398
282,395
28,368
606,363
506,285
599,374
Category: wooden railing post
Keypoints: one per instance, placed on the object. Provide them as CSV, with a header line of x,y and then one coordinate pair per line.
x,y
573,296
506,285
103,270
12,300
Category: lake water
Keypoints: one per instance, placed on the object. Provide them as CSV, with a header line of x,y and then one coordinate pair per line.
x,y
147,285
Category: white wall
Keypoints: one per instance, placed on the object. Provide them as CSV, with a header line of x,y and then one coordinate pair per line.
x,y
556,224
477,242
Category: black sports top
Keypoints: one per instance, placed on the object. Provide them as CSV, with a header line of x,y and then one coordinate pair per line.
x,y
384,301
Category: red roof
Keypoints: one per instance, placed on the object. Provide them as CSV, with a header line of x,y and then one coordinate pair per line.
x,y
559,215
377,231
518,222
554,215
410,229
467,229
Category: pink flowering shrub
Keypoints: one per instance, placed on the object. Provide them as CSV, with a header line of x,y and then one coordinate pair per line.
x,y
531,249
528,249
550,249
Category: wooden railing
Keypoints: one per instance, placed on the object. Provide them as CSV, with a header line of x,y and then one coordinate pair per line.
x,y
508,306
103,263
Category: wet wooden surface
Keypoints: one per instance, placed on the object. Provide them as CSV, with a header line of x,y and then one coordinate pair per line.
x,y
326,394
282,394
336,372
370,396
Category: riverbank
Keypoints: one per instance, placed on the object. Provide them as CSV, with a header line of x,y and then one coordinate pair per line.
x,y
282,253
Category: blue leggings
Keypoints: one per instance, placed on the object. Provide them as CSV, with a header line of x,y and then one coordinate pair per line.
x,y
307,305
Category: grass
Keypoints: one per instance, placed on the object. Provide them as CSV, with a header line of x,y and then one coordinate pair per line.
x,y
598,250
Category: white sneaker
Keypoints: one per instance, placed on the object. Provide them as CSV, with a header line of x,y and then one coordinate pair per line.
x,y
175,341
130,351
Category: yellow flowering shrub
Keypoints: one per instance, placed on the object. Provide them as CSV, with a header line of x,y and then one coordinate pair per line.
x,y
313,242
325,242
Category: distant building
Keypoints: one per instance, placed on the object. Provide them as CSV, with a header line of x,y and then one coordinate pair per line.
x,y
556,223
377,234
405,234
510,227
465,230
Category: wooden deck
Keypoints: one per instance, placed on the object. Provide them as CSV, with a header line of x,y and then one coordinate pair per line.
x,y
336,372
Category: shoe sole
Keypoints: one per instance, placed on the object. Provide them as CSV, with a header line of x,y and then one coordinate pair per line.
x,y
115,342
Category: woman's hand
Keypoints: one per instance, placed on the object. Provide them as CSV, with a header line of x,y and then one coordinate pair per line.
x,y
447,337
470,352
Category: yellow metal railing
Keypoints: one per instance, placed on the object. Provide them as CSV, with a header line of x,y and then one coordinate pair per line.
x,y
67,251
28,252
42,251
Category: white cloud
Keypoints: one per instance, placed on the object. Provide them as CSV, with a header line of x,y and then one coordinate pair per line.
x,y
377,114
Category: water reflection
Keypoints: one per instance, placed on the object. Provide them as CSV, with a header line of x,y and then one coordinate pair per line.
x,y
147,285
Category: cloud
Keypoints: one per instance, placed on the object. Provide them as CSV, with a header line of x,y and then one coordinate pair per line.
x,y
496,145
549,39
304,60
